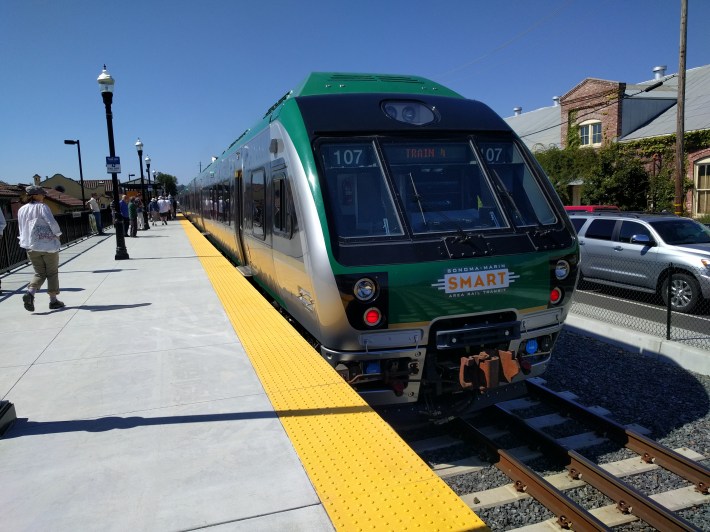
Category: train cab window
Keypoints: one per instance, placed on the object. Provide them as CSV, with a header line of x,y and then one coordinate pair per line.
x,y
441,186
360,201
528,204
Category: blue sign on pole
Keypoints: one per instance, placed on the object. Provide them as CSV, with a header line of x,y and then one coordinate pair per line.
x,y
113,165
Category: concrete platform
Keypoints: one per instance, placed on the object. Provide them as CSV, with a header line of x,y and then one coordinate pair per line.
x,y
137,408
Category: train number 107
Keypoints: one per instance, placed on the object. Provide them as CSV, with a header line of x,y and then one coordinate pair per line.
x,y
350,157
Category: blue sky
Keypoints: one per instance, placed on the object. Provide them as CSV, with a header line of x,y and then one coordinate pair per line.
x,y
192,75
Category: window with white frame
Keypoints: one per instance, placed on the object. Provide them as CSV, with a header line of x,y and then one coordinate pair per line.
x,y
590,133
702,187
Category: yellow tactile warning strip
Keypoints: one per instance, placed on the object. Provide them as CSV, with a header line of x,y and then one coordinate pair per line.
x,y
366,477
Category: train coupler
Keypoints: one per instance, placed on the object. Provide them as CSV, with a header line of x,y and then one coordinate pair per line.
x,y
484,370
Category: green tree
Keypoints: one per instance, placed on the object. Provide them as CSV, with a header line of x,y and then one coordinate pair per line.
x,y
166,183
566,166
611,175
618,179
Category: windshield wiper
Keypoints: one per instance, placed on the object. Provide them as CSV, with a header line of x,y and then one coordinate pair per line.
x,y
419,200
502,190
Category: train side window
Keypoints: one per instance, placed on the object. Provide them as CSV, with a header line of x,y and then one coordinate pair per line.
x,y
258,197
600,229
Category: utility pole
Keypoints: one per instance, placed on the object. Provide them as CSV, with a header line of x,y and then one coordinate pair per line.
x,y
680,123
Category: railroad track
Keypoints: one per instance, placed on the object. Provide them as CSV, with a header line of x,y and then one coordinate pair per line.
x,y
659,511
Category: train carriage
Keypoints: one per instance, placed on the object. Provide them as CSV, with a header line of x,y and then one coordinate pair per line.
x,y
405,228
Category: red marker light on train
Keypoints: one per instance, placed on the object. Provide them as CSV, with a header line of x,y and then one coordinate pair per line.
x,y
555,296
372,316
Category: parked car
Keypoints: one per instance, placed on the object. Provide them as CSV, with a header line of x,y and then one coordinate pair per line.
x,y
591,208
639,251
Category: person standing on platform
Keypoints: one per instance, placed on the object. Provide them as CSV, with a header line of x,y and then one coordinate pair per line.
x,y
133,217
154,211
39,235
123,205
139,208
164,207
93,204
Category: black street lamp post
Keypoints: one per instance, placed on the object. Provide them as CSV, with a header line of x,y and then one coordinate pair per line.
x,y
106,86
147,171
81,172
139,148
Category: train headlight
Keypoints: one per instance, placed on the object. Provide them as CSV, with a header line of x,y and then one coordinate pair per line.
x,y
562,269
372,316
365,289
409,114
531,346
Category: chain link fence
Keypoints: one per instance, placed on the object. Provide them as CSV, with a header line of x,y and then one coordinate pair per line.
x,y
662,289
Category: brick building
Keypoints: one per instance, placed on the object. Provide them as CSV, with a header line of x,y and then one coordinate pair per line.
x,y
599,111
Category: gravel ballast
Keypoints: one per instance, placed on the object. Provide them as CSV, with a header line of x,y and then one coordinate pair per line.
x,y
673,403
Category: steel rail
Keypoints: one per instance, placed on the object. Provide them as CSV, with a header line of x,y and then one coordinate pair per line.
x,y
649,450
570,515
628,499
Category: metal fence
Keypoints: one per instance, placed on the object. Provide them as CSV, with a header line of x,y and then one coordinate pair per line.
x,y
649,309
74,226
645,311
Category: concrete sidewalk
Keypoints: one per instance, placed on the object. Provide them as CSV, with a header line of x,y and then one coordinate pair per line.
x,y
137,408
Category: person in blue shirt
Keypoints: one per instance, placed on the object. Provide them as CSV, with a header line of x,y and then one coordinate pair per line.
x,y
123,205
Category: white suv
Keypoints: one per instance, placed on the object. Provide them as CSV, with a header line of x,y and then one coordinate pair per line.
x,y
639,251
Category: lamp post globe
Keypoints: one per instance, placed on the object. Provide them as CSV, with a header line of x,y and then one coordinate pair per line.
x,y
139,149
106,83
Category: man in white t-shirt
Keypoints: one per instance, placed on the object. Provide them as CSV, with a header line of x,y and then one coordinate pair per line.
x,y
93,204
164,209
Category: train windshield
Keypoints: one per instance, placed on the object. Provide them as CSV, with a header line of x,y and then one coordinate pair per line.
x,y
359,196
438,186
441,186
524,199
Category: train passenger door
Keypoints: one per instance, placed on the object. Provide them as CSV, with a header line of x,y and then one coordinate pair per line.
x,y
238,215
293,285
255,232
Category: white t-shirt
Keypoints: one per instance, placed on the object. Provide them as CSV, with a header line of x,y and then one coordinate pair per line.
x,y
94,205
25,217
163,206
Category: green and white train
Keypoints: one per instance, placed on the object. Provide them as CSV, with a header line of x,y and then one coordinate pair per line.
x,y
406,228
